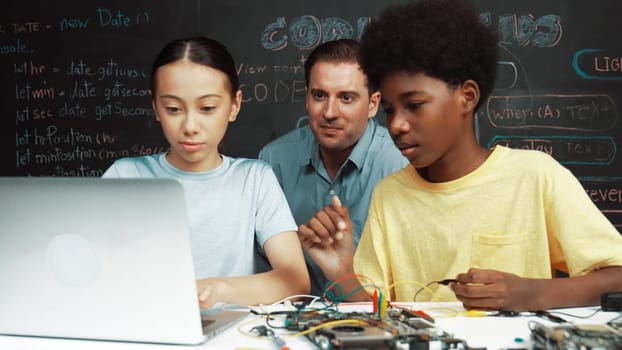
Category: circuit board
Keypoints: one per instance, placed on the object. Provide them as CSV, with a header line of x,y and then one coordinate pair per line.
x,y
575,336
399,329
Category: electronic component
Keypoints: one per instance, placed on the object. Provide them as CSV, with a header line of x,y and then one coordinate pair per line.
x,y
611,301
267,332
574,336
399,329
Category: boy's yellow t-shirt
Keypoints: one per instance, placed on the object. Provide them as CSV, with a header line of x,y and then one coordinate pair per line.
x,y
519,212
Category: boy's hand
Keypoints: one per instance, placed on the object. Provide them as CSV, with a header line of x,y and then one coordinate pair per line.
x,y
329,241
494,290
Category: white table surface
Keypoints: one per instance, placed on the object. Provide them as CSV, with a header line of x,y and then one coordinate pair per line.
x,y
490,332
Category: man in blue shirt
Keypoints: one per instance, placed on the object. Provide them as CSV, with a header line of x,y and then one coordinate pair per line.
x,y
343,151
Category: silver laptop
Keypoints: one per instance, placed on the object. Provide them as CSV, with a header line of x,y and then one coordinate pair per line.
x,y
104,259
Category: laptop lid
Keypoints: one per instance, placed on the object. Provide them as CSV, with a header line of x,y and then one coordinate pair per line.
x,y
94,258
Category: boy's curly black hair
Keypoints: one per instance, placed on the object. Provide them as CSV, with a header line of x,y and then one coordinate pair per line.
x,y
444,39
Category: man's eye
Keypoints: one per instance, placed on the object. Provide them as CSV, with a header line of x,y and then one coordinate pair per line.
x,y
318,95
388,111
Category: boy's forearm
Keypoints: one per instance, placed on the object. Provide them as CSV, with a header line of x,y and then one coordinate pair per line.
x,y
578,290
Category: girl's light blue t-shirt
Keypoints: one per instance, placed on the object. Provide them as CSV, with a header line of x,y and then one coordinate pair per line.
x,y
228,208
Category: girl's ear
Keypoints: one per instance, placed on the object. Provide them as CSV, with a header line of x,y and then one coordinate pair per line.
x,y
153,105
470,95
236,106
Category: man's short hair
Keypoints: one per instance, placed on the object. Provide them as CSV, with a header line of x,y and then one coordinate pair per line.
x,y
337,51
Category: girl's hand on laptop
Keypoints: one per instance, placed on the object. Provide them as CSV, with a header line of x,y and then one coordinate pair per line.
x,y
207,294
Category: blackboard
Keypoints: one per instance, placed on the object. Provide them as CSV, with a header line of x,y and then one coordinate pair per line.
x,y
74,78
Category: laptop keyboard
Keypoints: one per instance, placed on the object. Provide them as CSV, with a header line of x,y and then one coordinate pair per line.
x,y
206,322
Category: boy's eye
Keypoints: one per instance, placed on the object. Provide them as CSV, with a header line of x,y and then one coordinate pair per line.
x,y
388,111
411,106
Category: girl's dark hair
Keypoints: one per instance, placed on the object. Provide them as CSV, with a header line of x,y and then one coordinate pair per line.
x,y
444,39
199,50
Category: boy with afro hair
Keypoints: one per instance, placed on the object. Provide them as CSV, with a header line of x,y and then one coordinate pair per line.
x,y
498,222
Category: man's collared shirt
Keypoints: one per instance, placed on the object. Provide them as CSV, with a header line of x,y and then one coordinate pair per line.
x,y
295,159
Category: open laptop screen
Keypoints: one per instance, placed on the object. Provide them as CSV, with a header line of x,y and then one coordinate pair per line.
x,y
97,258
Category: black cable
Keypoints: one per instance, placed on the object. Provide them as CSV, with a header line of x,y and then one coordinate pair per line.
x,y
576,316
441,282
